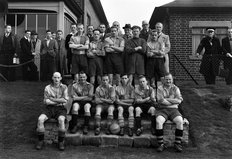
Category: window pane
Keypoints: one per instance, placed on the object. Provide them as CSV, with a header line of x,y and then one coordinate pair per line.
x,y
52,22
20,25
41,25
31,22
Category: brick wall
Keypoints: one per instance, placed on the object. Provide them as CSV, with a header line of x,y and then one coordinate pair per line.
x,y
181,40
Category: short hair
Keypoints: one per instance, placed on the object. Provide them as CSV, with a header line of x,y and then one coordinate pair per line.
x,y
80,24
168,74
7,26
82,72
102,24
96,30
105,75
136,27
159,23
142,76
74,24
90,25
124,74
113,28
59,31
48,31
27,31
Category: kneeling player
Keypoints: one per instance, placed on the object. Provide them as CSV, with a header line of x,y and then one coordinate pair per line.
x,y
124,100
104,98
169,98
55,97
82,94
144,103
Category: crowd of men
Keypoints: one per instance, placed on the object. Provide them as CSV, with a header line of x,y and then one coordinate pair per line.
x,y
123,71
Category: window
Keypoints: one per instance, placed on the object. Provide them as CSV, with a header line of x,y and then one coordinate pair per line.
x,y
199,32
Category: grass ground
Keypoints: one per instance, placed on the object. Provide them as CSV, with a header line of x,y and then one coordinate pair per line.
x,y
210,125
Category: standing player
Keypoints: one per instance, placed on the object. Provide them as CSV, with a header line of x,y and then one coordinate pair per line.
x,y
55,97
144,103
136,50
95,55
104,98
114,47
79,43
125,100
82,94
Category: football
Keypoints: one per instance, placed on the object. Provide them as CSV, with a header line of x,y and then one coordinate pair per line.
x,y
114,128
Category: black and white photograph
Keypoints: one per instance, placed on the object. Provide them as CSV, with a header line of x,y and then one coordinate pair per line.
x,y
115,79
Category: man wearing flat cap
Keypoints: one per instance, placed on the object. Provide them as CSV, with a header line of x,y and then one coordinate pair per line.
x,y
210,60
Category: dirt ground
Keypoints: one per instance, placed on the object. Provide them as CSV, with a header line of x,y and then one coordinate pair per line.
x,y
210,125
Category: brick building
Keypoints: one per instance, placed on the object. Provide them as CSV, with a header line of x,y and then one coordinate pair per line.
x,y
185,22
41,15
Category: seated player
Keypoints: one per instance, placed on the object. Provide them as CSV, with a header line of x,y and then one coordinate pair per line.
x,y
144,103
104,99
125,100
55,97
82,94
169,98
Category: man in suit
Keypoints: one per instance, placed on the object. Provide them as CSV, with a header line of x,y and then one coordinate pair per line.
x,y
29,69
9,48
61,65
49,48
145,31
102,28
35,48
162,38
226,48
69,50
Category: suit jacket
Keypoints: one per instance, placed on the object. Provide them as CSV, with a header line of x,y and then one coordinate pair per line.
x,y
163,38
15,47
50,50
226,48
69,51
26,53
37,51
61,55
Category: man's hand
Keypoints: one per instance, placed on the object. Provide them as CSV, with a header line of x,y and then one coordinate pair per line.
x,y
197,55
138,48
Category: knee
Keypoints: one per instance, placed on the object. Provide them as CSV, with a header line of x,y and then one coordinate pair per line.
x,y
61,119
160,120
42,118
111,109
131,109
98,110
138,110
152,111
75,108
120,109
87,106
178,121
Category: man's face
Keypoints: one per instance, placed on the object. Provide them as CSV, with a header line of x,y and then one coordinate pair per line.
x,y
90,29
56,78
143,82
116,24
82,78
102,28
124,79
34,37
114,32
96,35
168,80
53,35
230,33
49,35
73,28
80,29
210,33
159,27
127,31
59,34
105,80
136,32
28,34
154,36
145,26
8,29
